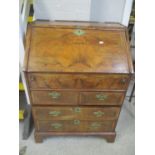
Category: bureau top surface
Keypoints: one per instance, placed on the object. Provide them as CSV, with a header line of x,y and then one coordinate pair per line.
x,y
77,47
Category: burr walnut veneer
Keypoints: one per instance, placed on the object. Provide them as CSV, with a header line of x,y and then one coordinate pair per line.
x,y
77,76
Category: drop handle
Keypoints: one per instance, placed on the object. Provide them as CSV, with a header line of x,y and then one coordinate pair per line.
x,y
54,95
123,81
101,97
56,125
76,122
54,113
32,78
98,113
95,125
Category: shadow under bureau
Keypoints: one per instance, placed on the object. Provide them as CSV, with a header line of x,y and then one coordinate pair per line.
x,y
77,76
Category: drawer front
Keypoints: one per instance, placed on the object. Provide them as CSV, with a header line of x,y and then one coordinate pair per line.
x,y
75,126
77,81
54,98
101,98
76,113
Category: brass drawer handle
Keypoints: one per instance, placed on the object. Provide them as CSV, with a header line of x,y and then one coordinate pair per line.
x,y
32,78
56,125
98,113
101,97
54,95
76,122
54,113
123,81
95,125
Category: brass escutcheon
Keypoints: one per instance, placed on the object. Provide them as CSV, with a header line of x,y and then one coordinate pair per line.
x,y
79,32
77,109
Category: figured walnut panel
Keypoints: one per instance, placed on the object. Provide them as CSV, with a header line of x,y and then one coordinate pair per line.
x,y
101,98
77,81
64,50
54,98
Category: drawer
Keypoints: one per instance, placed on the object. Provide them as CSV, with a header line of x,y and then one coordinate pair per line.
x,y
75,126
101,98
77,81
76,113
54,98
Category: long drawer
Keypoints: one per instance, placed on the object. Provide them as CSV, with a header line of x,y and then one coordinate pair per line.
x,y
76,113
77,81
75,126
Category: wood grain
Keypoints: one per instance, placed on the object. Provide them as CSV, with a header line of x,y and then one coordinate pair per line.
x,y
78,81
77,75
69,126
55,49
101,98
72,113
44,98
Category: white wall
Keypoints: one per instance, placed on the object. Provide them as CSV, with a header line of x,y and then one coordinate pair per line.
x,y
107,10
84,10
62,9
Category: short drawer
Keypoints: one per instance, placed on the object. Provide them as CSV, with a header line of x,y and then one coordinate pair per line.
x,y
76,113
54,98
75,126
101,98
77,81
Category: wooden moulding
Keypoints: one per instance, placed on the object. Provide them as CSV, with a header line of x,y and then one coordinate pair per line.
x,y
109,136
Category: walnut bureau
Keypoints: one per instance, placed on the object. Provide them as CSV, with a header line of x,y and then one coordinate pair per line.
x,y
77,75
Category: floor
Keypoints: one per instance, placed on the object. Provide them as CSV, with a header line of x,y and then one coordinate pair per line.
x,y
124,143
